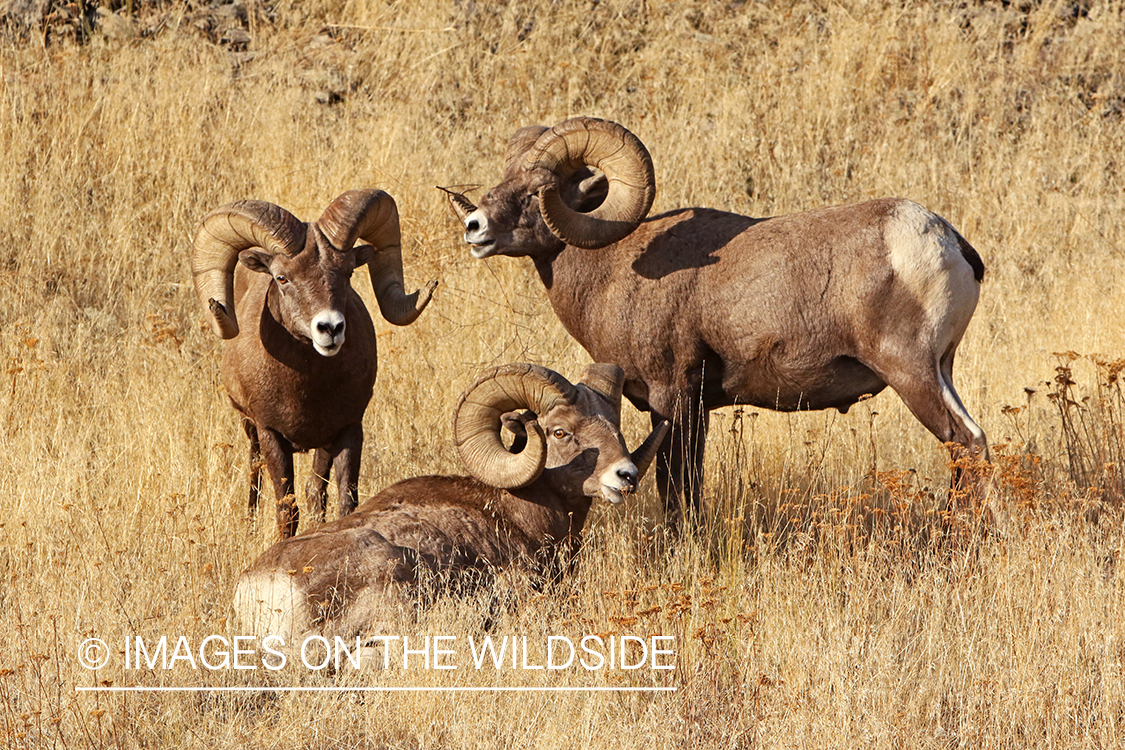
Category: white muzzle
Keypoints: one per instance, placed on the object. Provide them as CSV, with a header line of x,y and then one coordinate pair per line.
x,y
328,332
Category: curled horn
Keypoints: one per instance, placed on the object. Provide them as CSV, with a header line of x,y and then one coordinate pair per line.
x,y
620,155
608,381
372,216
518,145
477,422
222,235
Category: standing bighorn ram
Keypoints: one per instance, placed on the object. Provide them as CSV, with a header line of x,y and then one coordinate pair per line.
x,y
523,506
299,380
705,309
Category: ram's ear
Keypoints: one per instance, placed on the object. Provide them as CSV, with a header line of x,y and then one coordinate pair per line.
x,y
587,190
364,254
255,260
515,422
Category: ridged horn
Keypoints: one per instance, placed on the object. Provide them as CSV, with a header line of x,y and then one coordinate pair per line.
x,y
477,423
643,456
222,235
620,155
607,380
461,205
518,145
372,216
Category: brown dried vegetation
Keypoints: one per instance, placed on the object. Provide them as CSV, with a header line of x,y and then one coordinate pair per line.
x,y
835,601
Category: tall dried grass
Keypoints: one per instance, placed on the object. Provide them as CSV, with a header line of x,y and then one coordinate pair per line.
x,y
831,601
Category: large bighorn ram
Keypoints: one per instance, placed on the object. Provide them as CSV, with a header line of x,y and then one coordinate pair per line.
x,y
705,309
297,378
524,506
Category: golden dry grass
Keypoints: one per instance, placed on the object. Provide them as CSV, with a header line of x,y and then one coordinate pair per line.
x,y
830,604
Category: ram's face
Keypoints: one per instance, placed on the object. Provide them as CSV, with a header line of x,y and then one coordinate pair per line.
x,y
568,437
585,182
311,289
508,220
586,453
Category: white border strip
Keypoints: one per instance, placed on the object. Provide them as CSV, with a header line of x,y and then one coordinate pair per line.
x,y
494,689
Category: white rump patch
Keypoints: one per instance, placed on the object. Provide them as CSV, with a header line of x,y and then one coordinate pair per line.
x,y
927,260
271,604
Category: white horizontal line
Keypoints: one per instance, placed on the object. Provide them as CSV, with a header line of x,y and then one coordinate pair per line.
x,y
491,689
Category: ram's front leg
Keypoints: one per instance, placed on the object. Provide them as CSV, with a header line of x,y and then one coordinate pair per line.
x,y
278,455
348,450
316,488
679,462
255,464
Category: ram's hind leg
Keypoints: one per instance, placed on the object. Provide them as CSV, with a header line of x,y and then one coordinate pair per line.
x,y
970,436
927,389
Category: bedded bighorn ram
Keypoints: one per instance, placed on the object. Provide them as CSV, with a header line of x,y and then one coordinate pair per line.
x,y
279,291
523,506
705,309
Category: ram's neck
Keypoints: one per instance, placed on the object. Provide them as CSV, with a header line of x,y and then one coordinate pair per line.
x,y
545,268
278,336
579,285
544,516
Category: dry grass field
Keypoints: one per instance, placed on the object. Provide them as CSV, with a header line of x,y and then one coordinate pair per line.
x,y
831,600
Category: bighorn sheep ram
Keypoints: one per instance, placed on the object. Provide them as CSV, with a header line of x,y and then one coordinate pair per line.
x,y
297,378
705,309
524,506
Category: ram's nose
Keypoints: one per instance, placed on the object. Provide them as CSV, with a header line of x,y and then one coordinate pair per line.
x,y
330,329
328,332
628,476
619,480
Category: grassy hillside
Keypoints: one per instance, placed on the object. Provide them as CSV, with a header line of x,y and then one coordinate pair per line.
x,y
831,601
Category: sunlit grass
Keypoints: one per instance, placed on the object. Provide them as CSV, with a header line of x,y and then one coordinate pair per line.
x,y
832,597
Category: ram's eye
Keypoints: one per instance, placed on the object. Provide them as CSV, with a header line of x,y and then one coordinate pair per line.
x,y
559,433
281,279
